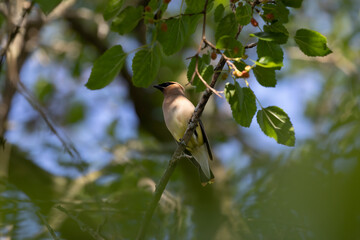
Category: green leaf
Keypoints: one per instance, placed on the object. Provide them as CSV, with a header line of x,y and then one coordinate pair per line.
x,y
271,50
233,47
278,28
127,20
268,62
277,37
265,76
146,65
242,102
240,65
292,3
206,74
275,123
227,26
112,9
191,69
278,10
311,43
106,68
48,5
243,14
174,38
194,6
75,113
219,12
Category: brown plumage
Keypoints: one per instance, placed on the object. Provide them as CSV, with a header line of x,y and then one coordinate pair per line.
x,y
177,111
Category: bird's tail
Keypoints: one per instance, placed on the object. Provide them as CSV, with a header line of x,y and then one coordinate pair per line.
x,y
202,157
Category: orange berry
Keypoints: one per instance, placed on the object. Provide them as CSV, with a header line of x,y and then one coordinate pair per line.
x,y
254,22
237,73
236,50
147,9
164,27
269,16
213,55
245,74
247,68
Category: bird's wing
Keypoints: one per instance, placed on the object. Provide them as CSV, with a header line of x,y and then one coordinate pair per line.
x,y
205,139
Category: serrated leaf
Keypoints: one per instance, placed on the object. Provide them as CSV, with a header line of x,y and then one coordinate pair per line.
x,y
242,102
278,10
219,12
268,62
292,3
174,38
233,47
226,26
206,74
191,69
112,9
265,76
197,6
127,20
243,14
145,66
48,5
106,68
270,50
194,6
277,27
311,43
275,123
277,37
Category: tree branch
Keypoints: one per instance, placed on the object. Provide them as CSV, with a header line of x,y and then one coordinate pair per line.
x,y
181,147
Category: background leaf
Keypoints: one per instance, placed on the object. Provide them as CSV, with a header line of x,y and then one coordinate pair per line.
x,y
127,20
311,43
145,66
106,68
219,12
292,3
113,7
242,103
48,5
275,123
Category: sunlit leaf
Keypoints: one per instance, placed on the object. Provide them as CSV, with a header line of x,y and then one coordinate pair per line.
x,y
275,123
106,68
311,43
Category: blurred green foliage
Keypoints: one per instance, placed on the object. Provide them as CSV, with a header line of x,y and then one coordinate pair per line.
x,y
309,192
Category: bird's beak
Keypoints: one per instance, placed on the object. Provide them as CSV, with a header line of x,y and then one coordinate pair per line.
x,y
159,87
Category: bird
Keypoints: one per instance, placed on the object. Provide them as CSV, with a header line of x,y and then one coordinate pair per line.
x,y
177,110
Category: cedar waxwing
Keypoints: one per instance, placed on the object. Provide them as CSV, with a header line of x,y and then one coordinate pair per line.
x,y
177,111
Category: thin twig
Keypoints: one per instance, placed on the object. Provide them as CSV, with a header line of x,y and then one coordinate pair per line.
x,y
68,146
12,36
193,123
